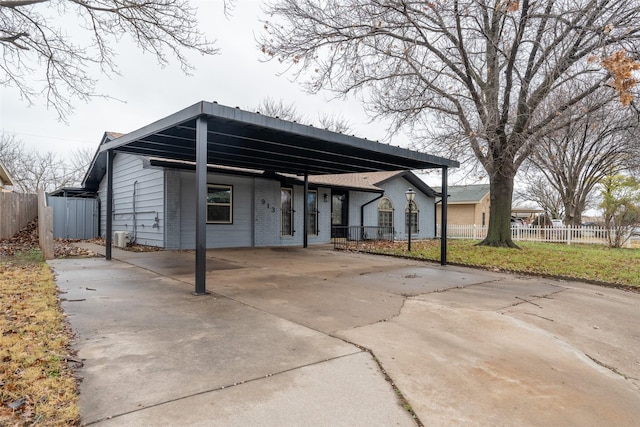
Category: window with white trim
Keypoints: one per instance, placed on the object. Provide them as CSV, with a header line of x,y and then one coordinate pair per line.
x,y
219,204
385,213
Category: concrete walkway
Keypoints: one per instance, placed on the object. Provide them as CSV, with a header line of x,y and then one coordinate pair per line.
x,y
279,342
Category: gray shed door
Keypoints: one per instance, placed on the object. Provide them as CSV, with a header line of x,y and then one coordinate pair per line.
x,y
74,218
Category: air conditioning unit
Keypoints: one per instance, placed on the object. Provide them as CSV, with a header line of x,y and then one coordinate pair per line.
x,y
121,238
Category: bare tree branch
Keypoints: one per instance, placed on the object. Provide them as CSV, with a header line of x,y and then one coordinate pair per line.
x,y
487,78
35,47
32,171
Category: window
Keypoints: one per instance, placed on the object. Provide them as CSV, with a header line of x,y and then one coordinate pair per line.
x,y
385,213
286,208
414,218
312,213
220,204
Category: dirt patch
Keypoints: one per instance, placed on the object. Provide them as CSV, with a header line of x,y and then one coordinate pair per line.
x,y
27,240
131,247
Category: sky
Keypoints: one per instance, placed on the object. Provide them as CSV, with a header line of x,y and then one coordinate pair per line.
x,y
144,92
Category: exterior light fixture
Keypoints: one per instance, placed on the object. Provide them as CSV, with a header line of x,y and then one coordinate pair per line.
x,y
410,196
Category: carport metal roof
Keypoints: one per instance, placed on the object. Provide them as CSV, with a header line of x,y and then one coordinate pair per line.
x,y
244,139
237,138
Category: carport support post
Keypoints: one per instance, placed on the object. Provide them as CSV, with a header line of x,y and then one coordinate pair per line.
x,y
109,226
443,225
201,205
305,230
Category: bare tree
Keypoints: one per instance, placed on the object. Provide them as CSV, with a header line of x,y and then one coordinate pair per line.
x,y
579,156
279,109
32,171
334,123
11,149
35,45
539,191
485,77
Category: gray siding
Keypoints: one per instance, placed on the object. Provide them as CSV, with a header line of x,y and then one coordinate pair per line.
x,y
173,209
129,175
256,213
324,218
256,209
356,200
395,190
238,234
267,214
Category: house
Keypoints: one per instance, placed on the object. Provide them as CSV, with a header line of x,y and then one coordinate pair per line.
x,y
467,205
5,179
215,176
153,200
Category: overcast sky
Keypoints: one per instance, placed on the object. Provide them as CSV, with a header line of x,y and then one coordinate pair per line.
x,y
235,77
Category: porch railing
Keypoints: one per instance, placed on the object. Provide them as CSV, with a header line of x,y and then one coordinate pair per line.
x,y
349,236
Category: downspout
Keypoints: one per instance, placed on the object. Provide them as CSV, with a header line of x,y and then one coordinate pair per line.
x,y
305,213
435,213
362,208
135,218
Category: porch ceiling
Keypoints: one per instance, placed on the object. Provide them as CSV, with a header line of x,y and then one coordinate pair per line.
x,y
243,139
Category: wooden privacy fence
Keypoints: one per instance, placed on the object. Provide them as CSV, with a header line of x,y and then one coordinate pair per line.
x,y
568,235
45,226
16,211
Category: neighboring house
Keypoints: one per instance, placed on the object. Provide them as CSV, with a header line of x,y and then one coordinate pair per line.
x,y
154,200
5,179
467,205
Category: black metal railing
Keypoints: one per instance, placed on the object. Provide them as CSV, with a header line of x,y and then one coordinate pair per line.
x,y
345,237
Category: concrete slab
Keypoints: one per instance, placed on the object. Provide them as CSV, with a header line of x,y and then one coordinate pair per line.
x,y
148,341
602,322
419,279
322,304
465,347
467,367
500,294
347,391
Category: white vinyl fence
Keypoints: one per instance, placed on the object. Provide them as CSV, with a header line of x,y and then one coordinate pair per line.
x,y
568,235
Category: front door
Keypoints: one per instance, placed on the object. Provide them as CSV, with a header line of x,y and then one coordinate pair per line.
x,y
339,213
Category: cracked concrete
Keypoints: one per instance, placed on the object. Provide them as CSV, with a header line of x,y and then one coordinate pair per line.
x,y
463,346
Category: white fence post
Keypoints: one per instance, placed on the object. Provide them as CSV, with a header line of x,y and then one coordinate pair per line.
x,y
565,235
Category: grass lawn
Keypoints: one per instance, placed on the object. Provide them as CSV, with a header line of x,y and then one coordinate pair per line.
x,y
586,262
36,385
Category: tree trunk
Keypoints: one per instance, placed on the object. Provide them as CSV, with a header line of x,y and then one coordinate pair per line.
x,y
499,231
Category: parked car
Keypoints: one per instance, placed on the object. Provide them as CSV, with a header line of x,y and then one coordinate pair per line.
x,y
517,222
590,224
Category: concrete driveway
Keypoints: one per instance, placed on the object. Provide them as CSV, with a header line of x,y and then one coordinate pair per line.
x,y
314,337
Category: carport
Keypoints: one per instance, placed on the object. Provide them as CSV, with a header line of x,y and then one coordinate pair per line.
x,y
209,133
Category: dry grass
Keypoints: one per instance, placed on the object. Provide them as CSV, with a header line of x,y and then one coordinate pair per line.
x,y
596,263
35,377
